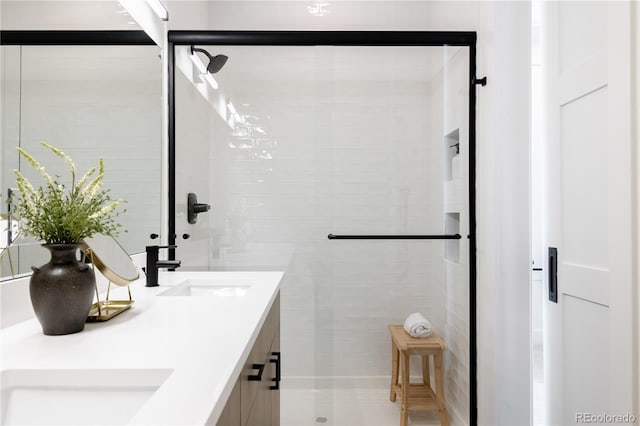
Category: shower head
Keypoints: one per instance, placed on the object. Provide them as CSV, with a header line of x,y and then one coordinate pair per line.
x,y
215,62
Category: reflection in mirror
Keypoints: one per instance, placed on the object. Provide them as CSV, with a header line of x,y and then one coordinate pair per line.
x,y
111,259
89,101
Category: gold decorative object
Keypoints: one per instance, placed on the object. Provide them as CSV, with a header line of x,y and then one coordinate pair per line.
x,y
104,310
115,264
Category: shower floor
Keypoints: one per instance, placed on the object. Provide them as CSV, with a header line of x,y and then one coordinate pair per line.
x,y
343,401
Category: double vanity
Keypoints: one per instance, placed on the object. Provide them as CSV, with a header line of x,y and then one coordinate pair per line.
x,y
202,348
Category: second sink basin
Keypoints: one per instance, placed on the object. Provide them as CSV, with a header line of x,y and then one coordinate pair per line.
x,y
210,288
76,397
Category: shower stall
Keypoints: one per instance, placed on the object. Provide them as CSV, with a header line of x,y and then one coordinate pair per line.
x,y
345,159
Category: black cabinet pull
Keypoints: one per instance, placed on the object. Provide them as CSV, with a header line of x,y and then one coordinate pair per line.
x,y
553,274
276,380
256,377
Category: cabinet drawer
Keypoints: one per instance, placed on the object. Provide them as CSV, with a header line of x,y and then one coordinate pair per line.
x,y
254,391
231,414
265,410
275,394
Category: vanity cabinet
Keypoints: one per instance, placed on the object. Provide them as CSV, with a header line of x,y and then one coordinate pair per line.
x,y
255,399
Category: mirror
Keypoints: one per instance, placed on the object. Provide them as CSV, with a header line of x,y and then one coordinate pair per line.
x,y
91,102
111,259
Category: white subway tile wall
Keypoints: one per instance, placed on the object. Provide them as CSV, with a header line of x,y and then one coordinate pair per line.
x,y
455,74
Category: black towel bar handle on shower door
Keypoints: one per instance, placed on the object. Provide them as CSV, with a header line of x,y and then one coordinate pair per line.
x,y
395,237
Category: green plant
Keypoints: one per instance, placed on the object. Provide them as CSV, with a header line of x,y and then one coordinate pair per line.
x,y
60,215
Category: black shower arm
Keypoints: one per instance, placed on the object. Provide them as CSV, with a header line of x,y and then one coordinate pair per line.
x,y
195,49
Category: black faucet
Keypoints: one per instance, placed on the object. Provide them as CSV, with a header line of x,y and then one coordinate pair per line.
x,y
153,264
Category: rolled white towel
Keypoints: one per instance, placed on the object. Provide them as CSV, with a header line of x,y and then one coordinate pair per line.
x,y
418,326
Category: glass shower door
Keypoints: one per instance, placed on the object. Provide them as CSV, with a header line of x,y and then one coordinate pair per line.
x,y
301,142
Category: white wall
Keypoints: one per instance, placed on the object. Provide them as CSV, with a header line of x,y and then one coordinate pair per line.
x,y
188,14
621,66
510,211
537,178
152,24
64,15
193,145
635,112
502,203
295,15
454,104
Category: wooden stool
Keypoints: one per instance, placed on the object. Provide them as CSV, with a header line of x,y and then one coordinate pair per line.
x,y
417,396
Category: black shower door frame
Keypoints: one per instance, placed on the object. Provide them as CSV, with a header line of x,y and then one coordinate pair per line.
x,y
346,38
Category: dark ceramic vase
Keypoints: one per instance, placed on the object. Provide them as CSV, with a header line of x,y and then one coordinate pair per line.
x,y
62,291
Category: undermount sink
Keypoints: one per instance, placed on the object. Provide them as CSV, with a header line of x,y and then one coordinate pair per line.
x,y
227,287
76,397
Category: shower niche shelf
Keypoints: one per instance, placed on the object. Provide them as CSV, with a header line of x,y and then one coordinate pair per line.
x,y
452,155
452,247
454,185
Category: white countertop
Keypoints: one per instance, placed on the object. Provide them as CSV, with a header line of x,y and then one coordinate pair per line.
x,y
204,340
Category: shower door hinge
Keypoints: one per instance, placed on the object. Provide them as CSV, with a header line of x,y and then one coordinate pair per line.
x,y
481,81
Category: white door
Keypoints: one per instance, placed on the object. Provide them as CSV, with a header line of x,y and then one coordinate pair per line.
x,y
588,210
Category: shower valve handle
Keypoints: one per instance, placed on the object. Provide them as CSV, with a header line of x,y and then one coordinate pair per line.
x,y
194,208
201,208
